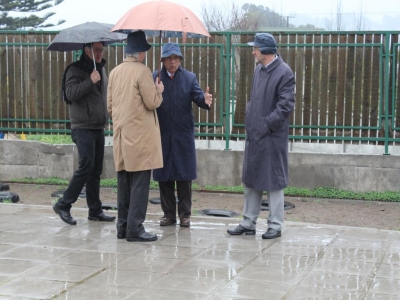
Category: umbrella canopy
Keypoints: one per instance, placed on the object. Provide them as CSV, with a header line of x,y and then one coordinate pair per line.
x,y
161,15
74,37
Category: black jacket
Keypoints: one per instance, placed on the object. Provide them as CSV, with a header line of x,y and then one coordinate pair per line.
x,y
88,109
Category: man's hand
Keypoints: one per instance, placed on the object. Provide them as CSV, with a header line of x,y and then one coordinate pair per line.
x,y
95,76
159,85
208,97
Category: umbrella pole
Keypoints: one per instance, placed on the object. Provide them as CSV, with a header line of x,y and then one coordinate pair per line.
x,y
159,72
94,62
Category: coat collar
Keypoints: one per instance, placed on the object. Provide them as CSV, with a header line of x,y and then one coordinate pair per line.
x,y
278,60
131,59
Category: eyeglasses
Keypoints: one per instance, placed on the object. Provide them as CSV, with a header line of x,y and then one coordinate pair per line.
x,y
98,50
256,48
173,58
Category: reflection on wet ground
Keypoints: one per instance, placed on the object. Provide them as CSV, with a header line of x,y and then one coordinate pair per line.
x,y
43,258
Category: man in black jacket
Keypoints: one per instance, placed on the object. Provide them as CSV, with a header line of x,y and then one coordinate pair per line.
x,y
86,89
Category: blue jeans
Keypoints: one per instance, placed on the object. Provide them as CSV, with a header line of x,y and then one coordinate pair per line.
x,y
90,144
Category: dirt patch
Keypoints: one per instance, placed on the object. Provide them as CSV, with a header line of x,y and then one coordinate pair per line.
x,y
381,215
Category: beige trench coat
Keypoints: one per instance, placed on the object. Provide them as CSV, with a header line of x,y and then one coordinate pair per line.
x,y
132,100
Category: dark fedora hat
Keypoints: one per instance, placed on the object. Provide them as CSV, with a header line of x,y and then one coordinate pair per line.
x,y
265,42
136,42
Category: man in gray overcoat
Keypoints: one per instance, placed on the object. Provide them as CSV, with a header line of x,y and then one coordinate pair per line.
x,y
265,166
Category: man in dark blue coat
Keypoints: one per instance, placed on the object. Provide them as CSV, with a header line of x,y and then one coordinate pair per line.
x,y
265,165
177,135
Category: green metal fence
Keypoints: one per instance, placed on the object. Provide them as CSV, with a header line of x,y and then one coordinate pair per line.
x,y
346,84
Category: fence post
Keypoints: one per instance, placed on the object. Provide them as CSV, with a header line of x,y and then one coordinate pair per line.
x,y
386,80
228,61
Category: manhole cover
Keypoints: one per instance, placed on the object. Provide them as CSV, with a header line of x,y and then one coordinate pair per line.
x,y
106,206
157,200
218,212
287,205
9,196
4,187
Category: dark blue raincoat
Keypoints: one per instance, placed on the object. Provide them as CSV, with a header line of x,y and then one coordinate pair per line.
x,y
177,125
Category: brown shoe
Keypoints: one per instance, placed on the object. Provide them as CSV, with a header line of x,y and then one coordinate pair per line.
x,y
167,221
185,222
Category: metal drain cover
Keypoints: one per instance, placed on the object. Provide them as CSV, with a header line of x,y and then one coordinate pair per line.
x,y
157,200
287,205
218,212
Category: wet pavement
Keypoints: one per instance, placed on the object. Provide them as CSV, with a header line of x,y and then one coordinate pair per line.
x,y
43,258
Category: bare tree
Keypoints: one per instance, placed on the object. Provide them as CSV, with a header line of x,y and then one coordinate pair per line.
x,y
340,25
337,20
226,15
359,20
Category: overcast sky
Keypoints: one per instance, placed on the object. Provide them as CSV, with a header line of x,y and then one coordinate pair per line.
x,y
379,15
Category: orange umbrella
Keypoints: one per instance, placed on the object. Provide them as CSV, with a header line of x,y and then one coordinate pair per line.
x,y
160,15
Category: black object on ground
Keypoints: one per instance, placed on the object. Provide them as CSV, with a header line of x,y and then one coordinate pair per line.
x,y
218,212
4,187
287,205
7,196
106,206
157,200
60,193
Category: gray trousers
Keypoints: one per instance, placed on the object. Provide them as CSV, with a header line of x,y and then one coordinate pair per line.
x,y
252,208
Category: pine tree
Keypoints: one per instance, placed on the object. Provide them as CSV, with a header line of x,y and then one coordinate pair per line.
x,y
32,21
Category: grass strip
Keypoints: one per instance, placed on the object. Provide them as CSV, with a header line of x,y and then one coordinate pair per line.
x,y
318,192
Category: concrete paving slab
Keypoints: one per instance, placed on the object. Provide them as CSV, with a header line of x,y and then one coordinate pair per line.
x,y
12,267
94,259
43,258
33,288
116,277
98,292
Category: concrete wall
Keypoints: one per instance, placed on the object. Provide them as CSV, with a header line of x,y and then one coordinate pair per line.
x,y
355,172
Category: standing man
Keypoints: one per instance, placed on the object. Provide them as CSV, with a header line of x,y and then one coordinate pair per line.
x,y
132,101
265,166
86,90
177,135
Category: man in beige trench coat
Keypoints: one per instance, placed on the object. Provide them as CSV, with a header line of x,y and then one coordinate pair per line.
x,y
132,100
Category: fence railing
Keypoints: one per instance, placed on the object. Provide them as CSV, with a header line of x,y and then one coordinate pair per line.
x,y
347,84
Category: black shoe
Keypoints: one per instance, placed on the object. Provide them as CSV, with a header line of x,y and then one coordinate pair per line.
x,y
240,230
64,215
102,217
121,234
271,234
144,237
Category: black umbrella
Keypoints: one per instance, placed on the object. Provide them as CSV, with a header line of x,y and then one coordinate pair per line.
x,y
73,38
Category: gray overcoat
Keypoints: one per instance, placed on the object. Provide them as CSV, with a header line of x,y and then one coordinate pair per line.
x,y
265,166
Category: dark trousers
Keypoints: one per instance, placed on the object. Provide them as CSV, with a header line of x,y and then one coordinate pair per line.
x,y
90,144
132,196
168,200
